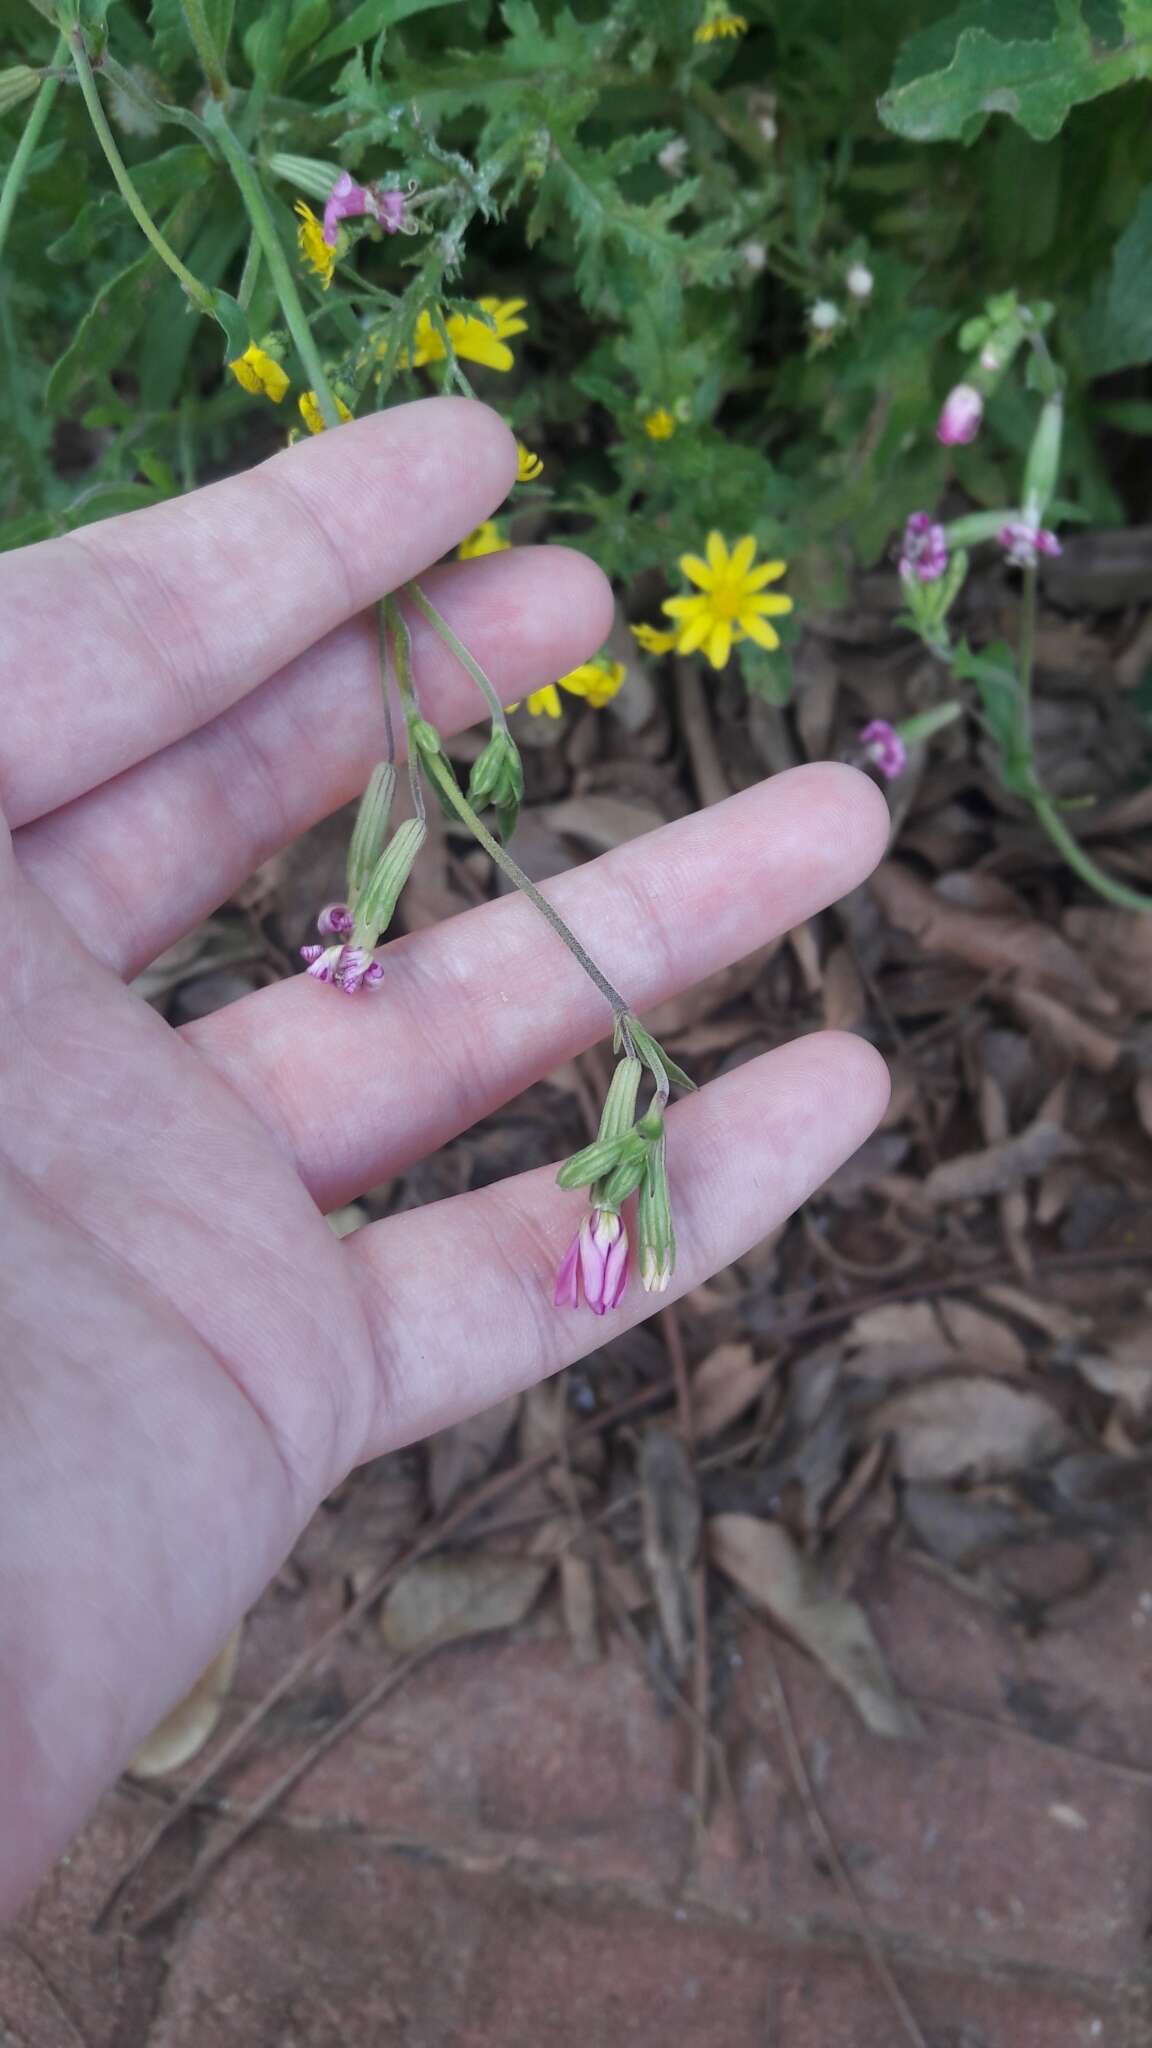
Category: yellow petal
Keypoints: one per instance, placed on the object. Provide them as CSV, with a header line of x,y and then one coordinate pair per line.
x,y
696,571
761,632
694,633
716,549
768,572
773,606
719,643
686,607
743,555
545,703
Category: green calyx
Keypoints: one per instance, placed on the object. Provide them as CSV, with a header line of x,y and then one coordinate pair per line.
x,y
655,1237
497,780
370,829
382,890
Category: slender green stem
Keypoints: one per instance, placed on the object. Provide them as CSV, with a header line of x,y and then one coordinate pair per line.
x,y
250,272
438,771
1046,810
211,58
464,657
284,284
446,782
196,291
38,113
1085,867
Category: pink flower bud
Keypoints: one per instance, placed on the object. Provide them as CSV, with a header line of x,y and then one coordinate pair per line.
x,y
924,554
349,968
595,1265
391,207
960,415
335,919
1023,542
884,748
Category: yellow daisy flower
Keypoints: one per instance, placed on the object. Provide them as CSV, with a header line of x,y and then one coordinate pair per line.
x,y
256,371
485,539
311,414
596,681
730,604
530,466
653,641
717,24
472,338
313,248
661,424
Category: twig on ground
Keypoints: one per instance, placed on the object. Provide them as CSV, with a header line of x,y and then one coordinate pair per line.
x,y
712,785
806,1794
218,1852
469,1504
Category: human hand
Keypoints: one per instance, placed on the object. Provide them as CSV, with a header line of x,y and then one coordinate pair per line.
x,y
189,1359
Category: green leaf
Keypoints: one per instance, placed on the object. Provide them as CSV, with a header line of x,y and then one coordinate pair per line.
x,y
107,329
365,23
233,319
1033,60
993,671
159,183
1115,331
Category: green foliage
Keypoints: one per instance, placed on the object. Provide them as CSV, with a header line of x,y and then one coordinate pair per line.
x,y
671,212
1033,60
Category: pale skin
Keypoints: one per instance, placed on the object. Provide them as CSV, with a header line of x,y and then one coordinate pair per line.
x,y
189,1358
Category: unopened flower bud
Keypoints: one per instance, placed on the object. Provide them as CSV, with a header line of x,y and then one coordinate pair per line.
x,y
497,774
824,317
859,281
17,83
382,889
671,157
1024,542
960,415
1043,466
595,1266
754,256
924,555
884,748
334,918
655,1237
370,828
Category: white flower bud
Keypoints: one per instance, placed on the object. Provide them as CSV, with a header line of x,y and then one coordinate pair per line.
x,y
824,316
671,157
755,255
859,281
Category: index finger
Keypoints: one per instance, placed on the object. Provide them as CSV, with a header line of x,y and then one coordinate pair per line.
x,y
121,638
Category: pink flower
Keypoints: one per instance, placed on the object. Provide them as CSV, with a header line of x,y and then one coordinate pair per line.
x,y
924,554
349,968
960,415
884,748
1023,542
385,205
596,1263
334,919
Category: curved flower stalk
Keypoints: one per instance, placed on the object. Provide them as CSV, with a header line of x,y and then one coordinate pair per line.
x,y
933,567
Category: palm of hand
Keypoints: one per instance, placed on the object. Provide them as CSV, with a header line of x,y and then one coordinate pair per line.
x,y
189,1359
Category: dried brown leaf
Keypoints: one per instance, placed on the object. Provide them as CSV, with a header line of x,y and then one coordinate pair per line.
x,y
1015,947
1056,1322
997,1169
968,1427
986,1341
1125,1369
460,1456
761,1558
1118,946
727,1383
183,1733
454,1595
581,1609
1058,1026
844,1000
